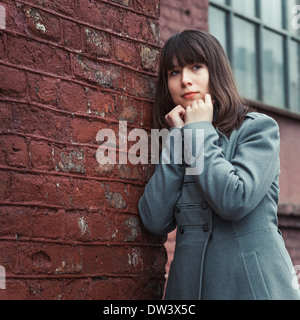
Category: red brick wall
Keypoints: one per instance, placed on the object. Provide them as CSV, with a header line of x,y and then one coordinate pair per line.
x,y
178,15
69,227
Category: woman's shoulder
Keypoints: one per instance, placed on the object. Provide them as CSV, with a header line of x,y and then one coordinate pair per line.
x,y
259,120
259,125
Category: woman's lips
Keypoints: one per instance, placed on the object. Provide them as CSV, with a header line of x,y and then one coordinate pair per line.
x,y
189,95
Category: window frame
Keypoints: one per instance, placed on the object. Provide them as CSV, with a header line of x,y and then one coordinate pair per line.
x,y
260,26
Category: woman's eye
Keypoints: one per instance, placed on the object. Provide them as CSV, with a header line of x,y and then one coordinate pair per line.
x,y
197,67
173,72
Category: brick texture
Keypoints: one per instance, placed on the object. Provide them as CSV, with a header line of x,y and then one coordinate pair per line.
x,y
177,15
69,227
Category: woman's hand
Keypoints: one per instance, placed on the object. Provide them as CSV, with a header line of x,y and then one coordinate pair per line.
x,y
200,110
175,117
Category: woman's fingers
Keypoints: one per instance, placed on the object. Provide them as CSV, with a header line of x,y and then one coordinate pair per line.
x,y
175,117
200,110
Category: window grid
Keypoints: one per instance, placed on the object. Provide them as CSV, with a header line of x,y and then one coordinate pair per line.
x,y
260,26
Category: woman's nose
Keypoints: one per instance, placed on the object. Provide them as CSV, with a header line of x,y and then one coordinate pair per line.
x,y
186,78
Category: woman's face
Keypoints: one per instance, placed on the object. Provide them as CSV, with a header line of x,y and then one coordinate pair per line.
x,y
188,84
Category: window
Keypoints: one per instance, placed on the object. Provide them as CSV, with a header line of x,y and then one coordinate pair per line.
x,y
262,41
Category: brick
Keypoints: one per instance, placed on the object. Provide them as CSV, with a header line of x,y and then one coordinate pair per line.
x,y
135,192
90,226
44,289
37,258
69,159
15,18
129,171
142,287
130,229
128,109
66,6
83,130
2,47
106,75
44,90
15,150
125,52
72,97
9,86
42,24
93,168
97,43
34,188
37,56
116,196
72,35
146,110
126,3
144,27
149,58
41,122
101,14
8,256
41,155
3,158
48,223
6,117
87,194
95,288
100,103
149,7
112,260
139,85
133,29
5,185
32,222
15,221
15,290
103,288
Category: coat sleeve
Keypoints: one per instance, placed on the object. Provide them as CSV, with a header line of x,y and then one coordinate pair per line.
x,y
156,206
235,188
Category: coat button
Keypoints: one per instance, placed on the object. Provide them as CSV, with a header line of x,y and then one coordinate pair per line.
x,y
204,206
181,230
205,227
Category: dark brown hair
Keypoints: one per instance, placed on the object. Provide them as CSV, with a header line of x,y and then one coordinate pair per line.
x,y
194,46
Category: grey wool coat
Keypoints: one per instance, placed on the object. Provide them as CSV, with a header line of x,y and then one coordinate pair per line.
x,y
228,245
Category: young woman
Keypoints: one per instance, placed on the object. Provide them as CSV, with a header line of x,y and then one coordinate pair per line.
x,y
228,245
